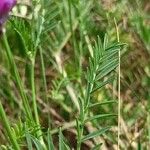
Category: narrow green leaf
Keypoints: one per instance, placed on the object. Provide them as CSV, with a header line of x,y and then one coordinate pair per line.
x,y
108,68
62,144
80,101
102,84
99,47
50,141
103,103
91,65
37,143
105,41
97,147
116,45
101,116
109,55
5,122
95,134
29,142
108,63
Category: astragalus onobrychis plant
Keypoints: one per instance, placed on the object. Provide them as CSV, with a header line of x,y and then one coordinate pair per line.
x,y
39,35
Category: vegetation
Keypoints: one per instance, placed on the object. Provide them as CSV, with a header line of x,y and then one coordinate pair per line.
x,y
74,74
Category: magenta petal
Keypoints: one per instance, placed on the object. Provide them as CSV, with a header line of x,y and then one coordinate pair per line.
x,y
5,7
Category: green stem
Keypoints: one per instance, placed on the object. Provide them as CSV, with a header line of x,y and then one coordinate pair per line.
x,y
35,107
43,74
33,93
80,137
7,127
17,78
85,109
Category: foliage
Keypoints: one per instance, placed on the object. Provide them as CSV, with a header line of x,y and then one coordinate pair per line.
x,y
60,67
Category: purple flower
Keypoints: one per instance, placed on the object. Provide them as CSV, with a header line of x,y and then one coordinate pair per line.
x,y
5,7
